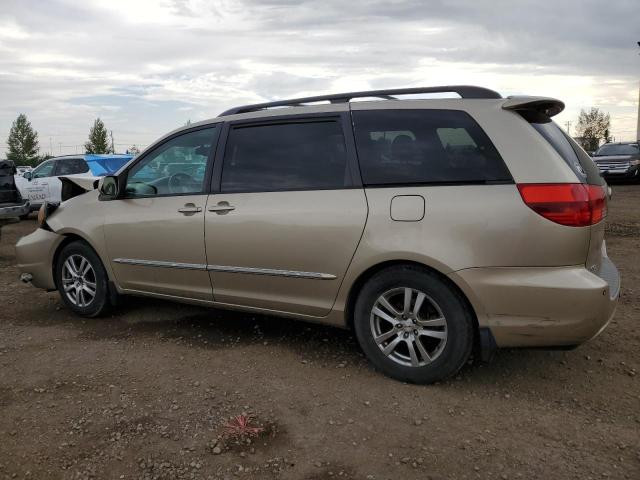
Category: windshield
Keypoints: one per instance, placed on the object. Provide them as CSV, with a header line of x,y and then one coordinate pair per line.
x,y
106,165
624,149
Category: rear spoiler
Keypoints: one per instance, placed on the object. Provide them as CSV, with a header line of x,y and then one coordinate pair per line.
x,y
540,105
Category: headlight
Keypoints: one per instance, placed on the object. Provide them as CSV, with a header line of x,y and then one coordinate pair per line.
x,y
42,214
45,210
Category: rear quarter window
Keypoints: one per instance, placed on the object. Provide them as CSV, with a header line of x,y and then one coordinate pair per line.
x,y
574,156
404,147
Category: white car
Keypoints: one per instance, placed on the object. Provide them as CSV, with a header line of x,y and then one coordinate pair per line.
x,y
43,184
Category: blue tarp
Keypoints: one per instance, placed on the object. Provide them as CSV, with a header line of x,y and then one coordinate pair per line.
x,y
106,164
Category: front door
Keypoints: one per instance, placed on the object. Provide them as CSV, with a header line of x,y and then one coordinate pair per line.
x,y
287,217
37,188
155,235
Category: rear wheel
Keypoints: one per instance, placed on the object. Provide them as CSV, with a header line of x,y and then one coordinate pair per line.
x,y
82,280
412,325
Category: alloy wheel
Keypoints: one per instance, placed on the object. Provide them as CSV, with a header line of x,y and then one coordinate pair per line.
x,y
79,280
408,326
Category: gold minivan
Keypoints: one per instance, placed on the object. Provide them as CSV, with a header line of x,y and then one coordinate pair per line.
x,y
432,227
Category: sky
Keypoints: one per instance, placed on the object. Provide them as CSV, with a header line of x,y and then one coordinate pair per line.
x,y
146,67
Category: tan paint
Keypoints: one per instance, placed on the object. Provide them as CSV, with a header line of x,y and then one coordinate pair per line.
x,y
407,208
312,231
531,281
539,306
34,254
154,229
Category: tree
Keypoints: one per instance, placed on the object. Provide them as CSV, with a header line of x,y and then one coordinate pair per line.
x,y
23,142
98,139
593,126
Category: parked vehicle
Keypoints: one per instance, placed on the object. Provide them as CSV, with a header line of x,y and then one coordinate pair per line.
x,y
429,227
43,184
619,160
12,205
22,169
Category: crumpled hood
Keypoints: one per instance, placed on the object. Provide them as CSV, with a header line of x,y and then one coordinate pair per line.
x,y
72,186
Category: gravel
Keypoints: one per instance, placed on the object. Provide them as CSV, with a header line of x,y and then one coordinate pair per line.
x,y
143,394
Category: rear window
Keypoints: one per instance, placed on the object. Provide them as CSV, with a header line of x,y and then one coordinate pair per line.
x,y
101,166
627,149
425,147
577,159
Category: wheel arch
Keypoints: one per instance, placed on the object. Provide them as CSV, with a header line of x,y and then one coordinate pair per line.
x,y
69,238
360,281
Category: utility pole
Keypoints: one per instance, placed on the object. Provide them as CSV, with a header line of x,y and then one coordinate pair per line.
x,y
568,124
638,126
113,150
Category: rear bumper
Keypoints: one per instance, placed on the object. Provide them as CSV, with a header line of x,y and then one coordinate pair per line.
x,y
34,254
14,211
542,306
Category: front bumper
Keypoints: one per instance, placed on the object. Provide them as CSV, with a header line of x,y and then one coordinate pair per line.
x,y
542,306
626,172
34,254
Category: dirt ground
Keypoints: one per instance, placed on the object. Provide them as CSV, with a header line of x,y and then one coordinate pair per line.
x,y
142,394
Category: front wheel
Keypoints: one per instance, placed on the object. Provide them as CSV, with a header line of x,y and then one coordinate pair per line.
x,y
82,280
412,325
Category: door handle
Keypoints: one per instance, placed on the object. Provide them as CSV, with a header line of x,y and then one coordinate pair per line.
x,y
221,208
189,209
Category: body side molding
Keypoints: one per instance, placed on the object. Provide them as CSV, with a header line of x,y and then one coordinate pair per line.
x,y
227,269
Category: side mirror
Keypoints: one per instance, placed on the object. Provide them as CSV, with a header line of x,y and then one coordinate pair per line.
x,y
28,175
109,187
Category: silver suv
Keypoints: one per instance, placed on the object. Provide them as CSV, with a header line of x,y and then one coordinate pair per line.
x,y
430,227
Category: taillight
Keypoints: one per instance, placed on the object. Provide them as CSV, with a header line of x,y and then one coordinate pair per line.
x,y
571,204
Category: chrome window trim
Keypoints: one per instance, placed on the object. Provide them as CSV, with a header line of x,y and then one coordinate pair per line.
x,y
227,269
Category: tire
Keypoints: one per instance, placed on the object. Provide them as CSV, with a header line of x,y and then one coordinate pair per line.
x,y
79,298
441,333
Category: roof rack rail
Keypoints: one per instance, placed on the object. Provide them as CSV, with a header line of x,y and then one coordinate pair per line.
x,y
465,91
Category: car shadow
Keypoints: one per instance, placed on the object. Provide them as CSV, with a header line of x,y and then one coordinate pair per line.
x,y
211,328
214,329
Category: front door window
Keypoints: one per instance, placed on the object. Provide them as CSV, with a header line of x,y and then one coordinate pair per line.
x,y
177,167
43,170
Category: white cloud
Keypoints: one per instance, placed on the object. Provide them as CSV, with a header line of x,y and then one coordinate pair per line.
x,y
9,29
147,66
